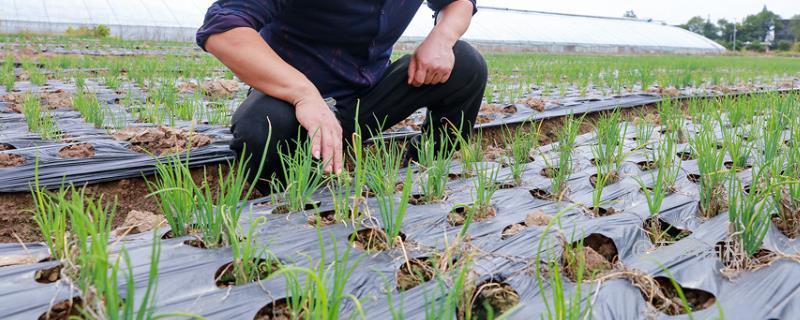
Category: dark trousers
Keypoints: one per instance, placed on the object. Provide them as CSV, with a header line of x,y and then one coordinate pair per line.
x,y
387,103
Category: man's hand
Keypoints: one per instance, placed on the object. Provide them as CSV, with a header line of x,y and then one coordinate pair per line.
x,y
325,132
431,63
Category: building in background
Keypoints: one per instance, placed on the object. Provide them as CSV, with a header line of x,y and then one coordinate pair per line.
x,y
492,28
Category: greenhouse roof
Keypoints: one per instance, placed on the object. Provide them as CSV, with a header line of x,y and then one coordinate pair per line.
x,y
178,19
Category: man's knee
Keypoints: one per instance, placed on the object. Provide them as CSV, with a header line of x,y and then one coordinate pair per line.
x,y
259,117
469,61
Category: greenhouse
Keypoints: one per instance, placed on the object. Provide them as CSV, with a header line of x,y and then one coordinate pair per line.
x,y
504,29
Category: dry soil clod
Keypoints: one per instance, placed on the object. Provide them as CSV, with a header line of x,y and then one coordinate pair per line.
x,y
77,151
161,140
8,160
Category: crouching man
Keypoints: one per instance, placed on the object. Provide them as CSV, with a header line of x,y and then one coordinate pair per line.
x,y
311,62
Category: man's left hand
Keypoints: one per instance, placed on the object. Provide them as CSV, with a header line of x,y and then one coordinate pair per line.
x,y
431,63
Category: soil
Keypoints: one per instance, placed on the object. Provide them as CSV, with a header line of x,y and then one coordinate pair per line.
x,y
458,216
421,271
599,253
14,101
788,222
6,147
9,160
612,179
67,309
603,212
77,151
48,275
729,166
549,172
372,239
537,218
276,310
56,99
499,297
665,233
535,104
131,195
161,140
541,194
225,276
325,218
686,155
647,165
220,88
284,208
663,296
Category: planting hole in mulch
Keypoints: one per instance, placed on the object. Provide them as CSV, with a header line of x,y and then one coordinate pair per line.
x,y
77,151
7,146
324,218
788,221
492,298
193,229
421,270
284,208
67,309
8,160
276,310
662,233
48,275
729,166
418,199
505,185
602,212
599,253
612,179
161,140
693,177
541,194
538,218
685,155
647,165
549,172
665,297
458,216
372,239
226,277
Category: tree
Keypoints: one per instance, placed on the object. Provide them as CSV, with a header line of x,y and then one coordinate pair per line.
x,y
794,26
695,24
629,14
755,27
702,26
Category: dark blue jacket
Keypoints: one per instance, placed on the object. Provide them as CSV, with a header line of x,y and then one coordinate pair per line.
x,y
342,46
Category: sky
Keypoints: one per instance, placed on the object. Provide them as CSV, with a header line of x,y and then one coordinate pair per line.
x,y
671,11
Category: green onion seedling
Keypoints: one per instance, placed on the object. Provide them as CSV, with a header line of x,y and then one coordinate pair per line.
x,y
435,158
302,176
710,158
518,147
174,188
383,169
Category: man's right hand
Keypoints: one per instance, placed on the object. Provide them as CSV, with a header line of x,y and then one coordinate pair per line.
x,y
325,132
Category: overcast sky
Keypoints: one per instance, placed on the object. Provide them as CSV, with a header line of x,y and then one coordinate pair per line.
x,y
671,11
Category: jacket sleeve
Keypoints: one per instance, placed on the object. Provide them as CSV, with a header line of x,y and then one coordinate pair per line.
x,y
224,15
438,5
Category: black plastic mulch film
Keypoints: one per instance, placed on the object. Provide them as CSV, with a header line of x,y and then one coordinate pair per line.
x,y
186,274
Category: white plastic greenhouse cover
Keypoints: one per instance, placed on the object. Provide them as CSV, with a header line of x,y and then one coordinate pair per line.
x,y
179,19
